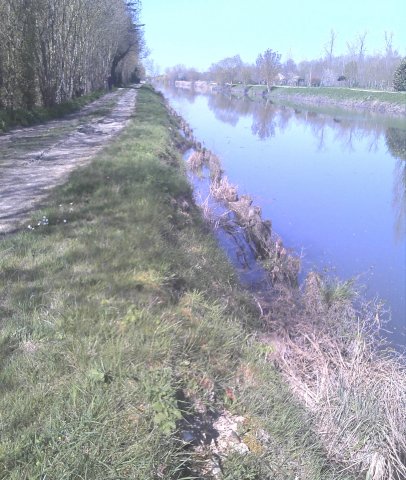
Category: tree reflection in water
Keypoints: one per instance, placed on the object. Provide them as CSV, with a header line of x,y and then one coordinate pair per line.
x,y
396,143
225,108
268,117
358,182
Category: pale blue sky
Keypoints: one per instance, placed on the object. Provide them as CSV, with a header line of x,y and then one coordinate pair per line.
x,y
199,32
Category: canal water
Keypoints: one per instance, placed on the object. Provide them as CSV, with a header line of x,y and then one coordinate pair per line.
x,y
333,184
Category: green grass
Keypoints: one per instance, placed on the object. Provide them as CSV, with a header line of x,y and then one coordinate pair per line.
x,y
343,94
337,94
21,117
115,310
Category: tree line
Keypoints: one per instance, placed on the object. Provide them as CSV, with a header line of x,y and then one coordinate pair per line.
x,y
52,51
356,68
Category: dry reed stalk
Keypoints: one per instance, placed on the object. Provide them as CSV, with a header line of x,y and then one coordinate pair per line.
x,y
282,267
223,190
215,220
356,393
196,161
214,165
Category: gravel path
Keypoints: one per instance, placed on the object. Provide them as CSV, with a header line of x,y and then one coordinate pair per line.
x,y
34,160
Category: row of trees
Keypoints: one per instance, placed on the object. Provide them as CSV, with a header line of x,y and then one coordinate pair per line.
x,y
54,50
354,69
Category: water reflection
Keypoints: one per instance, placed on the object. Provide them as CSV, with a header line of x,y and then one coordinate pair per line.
x,y
332,182
396,143
264,121
268,118
223,109
184,94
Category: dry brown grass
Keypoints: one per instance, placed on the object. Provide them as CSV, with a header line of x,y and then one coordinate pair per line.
x,y
223,190
195,162
355,391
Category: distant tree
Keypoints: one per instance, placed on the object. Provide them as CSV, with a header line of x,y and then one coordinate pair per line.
x,y
389,44
357,51
177,72
329,46
247,75
268,65
289,70
227,70
361,45
351,73
329,78
289,67
399,77
192,75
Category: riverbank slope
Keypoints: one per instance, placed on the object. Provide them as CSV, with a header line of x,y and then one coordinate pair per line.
x,y
127,347
389,103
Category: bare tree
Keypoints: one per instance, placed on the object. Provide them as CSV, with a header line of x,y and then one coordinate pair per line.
x,y
268,65
54,50
361,46
329,46
227,70
388,43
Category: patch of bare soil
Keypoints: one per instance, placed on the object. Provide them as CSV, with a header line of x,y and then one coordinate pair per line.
x,y
34,160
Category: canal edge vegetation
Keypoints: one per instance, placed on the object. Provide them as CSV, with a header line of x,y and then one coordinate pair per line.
x,y
389,103
125,335
352,99
324,335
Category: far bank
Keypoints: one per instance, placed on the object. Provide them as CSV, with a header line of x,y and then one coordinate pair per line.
x,y
388,103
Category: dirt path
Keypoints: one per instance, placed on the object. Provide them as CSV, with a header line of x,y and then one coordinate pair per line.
x,y
33,160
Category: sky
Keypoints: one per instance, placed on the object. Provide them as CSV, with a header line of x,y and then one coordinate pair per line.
x,y
197,33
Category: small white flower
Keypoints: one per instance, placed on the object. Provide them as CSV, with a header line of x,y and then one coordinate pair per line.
x,y
64,220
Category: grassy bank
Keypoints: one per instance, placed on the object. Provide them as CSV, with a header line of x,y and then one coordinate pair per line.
x,y
375,101
341,93
20,117
124,333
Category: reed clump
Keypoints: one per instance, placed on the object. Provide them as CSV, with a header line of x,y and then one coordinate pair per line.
x,y
196,161
334,363
329,350
281,265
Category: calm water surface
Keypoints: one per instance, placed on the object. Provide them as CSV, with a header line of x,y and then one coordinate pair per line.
x,y
334,185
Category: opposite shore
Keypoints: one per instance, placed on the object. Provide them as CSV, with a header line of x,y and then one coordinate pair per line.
x,y
388,103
